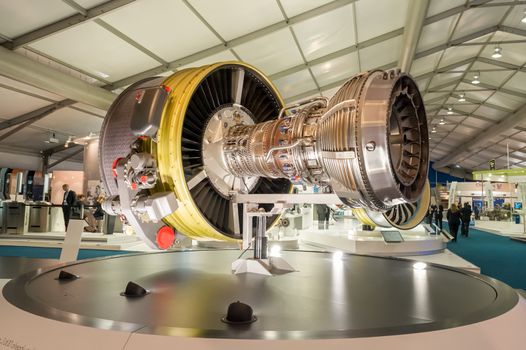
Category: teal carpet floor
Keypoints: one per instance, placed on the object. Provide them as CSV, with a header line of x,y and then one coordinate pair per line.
x,y
54,253
497,256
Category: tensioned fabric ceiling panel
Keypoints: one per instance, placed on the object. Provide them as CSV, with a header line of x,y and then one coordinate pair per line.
x,y
317,37
425,64
295,84
15,104
517,82
337,69
437,6
72,122
381,54
233,18
295,7
22,16
505,100
478,18
491,113
99,52
219,57
437,33
150,22
271,53
377,17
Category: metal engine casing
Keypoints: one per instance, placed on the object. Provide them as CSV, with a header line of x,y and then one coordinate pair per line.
x,y
207,133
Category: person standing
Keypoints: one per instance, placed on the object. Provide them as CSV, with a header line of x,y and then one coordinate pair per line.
x,y
439,216
476,210
465,215
453,220
67,203
324,214
429,215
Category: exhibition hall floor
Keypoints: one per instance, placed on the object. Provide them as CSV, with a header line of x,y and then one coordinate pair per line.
x,y
497,256
501,228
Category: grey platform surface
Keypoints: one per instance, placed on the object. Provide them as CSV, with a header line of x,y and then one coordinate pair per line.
x,y
13,266
190,291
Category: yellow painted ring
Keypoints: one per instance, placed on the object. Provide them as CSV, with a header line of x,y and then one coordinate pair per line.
x,y
187,219
361,215
421,209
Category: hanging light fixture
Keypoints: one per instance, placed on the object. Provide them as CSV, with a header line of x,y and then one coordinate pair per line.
x,y
462,98
476,78
449,111
523,20
433,130
497,52
442,122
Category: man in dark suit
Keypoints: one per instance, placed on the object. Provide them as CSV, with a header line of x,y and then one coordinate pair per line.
x,y
67,203
465,215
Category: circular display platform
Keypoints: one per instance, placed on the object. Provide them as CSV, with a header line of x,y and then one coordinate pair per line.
x,y
355,296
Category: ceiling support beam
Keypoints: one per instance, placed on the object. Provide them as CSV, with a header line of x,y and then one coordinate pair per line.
x,y
471,146
35,115
455,42
66,23
455,11
66,157
501,64
503,42
21,68
59,148
489,87
445,69
416,14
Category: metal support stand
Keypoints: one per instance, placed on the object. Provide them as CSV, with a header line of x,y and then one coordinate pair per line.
x,y
261,263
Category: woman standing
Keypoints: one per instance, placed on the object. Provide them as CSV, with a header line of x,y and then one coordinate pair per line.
x,y
453,220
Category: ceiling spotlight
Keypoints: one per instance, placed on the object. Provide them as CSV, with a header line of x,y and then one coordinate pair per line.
x,y
449,111
476,78
497,52
462,98
442,122
523,20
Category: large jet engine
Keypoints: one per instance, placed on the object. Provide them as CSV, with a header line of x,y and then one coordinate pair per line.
x,y
175,150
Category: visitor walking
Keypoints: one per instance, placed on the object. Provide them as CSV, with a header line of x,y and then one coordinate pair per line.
x,y
453,220
465,215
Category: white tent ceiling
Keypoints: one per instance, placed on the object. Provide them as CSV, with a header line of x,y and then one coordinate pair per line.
x,y
307,47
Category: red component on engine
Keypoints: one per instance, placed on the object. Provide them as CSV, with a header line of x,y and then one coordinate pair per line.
x,y
114,167
165,237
